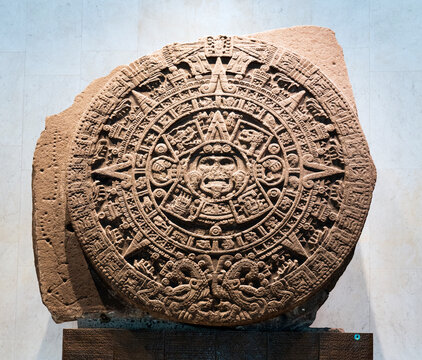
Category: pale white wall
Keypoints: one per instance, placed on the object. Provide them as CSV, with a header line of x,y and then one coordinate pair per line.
x,y
50,50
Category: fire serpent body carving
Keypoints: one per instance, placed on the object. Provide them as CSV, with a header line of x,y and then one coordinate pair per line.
x,y
220,182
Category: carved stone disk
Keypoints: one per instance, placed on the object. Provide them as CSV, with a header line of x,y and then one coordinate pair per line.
x,y
220,182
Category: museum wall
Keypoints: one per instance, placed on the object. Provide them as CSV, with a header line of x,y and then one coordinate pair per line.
x,y
51,50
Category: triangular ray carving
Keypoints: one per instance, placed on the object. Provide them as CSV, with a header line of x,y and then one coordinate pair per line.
x,y
322,171
217,129
292,102
139,241
293,244
113,171
145,103
218,83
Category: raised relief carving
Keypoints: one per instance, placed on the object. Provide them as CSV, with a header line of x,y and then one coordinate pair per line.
x,y
215,183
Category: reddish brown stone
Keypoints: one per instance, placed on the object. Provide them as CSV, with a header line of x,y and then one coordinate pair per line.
x,y
221,182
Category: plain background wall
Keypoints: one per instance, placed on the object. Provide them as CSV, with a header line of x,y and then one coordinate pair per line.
x,y
51,49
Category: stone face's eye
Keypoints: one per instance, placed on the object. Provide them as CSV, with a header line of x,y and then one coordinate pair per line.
x,y
207,161
226,161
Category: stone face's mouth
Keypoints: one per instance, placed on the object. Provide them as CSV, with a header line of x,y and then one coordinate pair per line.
x,y
211,182
216,185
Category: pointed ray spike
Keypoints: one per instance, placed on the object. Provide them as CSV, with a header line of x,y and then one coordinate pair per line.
x,y
136,245
219,68
113,170
293,101
319,171
144,102
218,82
217,129
293,244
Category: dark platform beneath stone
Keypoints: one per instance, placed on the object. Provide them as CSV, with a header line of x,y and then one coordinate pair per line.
x,y
111,344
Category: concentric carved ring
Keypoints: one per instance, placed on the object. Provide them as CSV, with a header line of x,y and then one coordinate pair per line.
x,y
220,182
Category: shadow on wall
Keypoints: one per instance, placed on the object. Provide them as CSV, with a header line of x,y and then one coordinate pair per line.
x,y
378,354
349,305
51,345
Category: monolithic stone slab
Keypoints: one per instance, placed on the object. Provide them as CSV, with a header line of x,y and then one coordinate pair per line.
x,y
124,344
66,285
263,125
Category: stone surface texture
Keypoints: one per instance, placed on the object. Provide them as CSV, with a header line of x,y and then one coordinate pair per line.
x,y
242,201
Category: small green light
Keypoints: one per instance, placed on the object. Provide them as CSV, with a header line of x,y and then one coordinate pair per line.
x,y
357,337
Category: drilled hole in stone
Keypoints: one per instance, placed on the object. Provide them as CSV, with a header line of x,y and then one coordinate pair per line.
x,y
69,227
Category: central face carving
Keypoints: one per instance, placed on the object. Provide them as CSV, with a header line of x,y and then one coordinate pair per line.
x,y
216,171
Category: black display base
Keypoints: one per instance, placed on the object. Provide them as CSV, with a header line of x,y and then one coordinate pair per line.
x,y
113,344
